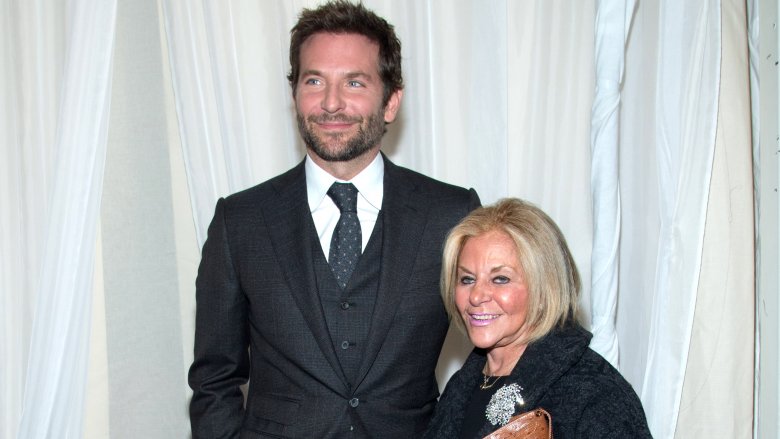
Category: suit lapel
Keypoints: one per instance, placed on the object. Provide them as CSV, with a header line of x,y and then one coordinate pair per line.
x,y
289,222
403,221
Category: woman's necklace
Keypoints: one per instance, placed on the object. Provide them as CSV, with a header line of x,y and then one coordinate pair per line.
x,y
486,384
487,376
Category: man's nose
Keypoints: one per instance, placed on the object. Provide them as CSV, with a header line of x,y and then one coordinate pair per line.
x,y
332,101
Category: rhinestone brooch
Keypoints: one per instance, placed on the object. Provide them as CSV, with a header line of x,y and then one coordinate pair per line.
x,y
502,404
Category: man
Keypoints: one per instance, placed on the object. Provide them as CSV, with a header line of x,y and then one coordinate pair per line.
x,y
328,306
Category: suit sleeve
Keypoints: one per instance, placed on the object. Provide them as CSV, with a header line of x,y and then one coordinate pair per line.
x,y
474,201
221,360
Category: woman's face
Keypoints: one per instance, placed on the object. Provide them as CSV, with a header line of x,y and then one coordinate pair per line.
x,y
490,291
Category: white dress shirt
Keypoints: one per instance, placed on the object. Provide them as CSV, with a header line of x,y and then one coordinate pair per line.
x,y
369,183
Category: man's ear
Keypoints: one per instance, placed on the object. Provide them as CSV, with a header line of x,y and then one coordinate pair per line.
x,y
393,104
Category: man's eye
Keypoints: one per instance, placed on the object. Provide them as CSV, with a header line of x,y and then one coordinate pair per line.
x,y
354,84
501,279
312,81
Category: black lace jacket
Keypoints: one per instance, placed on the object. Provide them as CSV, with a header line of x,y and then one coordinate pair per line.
x,y
585,396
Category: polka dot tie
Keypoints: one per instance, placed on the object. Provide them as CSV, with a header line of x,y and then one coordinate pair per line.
x,y
345,246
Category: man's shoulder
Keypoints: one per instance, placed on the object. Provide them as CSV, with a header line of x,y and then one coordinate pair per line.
x,y
425,184
288,180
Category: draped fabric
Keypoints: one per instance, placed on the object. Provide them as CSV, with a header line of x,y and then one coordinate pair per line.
x,y
686,61
720,361
613,21
628,122
228,67
685,86
56,96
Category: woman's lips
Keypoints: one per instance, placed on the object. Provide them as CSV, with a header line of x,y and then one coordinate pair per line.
x,y
481,319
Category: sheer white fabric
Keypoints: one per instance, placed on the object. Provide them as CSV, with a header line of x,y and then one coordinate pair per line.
x,y
718,382
512,98
673,84
613,21
228,65
54,120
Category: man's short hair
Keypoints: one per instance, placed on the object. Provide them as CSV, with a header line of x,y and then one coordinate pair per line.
x,y
344,17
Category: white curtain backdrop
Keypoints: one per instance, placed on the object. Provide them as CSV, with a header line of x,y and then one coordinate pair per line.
x,y
613,21
56,82
607,114
687,84
687,344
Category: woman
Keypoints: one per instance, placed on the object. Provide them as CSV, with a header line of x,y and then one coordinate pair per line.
x,y
509,280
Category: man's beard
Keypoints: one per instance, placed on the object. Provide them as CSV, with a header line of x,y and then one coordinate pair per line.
x,y
367,137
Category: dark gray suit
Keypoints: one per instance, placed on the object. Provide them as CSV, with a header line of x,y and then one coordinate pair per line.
x,y
257,288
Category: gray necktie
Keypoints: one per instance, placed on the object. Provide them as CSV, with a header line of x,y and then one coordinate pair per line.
x,y
345,246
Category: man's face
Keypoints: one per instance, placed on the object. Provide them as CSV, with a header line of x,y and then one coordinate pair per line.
x,y
338,97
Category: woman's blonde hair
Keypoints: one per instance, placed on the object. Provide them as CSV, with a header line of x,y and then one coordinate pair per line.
x,y
548,268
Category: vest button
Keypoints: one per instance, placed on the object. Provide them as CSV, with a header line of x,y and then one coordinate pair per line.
x,y
344,344
354,402
345,305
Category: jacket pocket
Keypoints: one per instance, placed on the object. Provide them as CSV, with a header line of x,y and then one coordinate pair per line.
x,y
270,414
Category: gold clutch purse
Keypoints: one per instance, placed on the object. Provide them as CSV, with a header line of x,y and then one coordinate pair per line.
x,y
536,424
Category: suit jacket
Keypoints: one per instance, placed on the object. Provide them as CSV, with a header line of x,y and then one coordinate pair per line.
x,y
256,289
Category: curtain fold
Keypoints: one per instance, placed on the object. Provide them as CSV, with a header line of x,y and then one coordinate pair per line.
x,y
191,71
718,386
686,105
56,120
613,21
232,99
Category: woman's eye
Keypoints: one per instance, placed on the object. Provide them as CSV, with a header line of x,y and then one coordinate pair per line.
x,y
466,280
501,279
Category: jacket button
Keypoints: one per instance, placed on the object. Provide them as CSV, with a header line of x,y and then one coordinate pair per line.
x,y
354,402
345,345
345,305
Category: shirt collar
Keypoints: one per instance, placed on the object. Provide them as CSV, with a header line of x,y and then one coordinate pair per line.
x,y
369,182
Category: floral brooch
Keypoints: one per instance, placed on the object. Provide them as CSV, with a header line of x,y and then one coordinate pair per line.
x,y
502,404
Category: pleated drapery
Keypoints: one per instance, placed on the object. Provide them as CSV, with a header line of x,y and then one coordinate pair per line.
x,y
55,121
613,21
